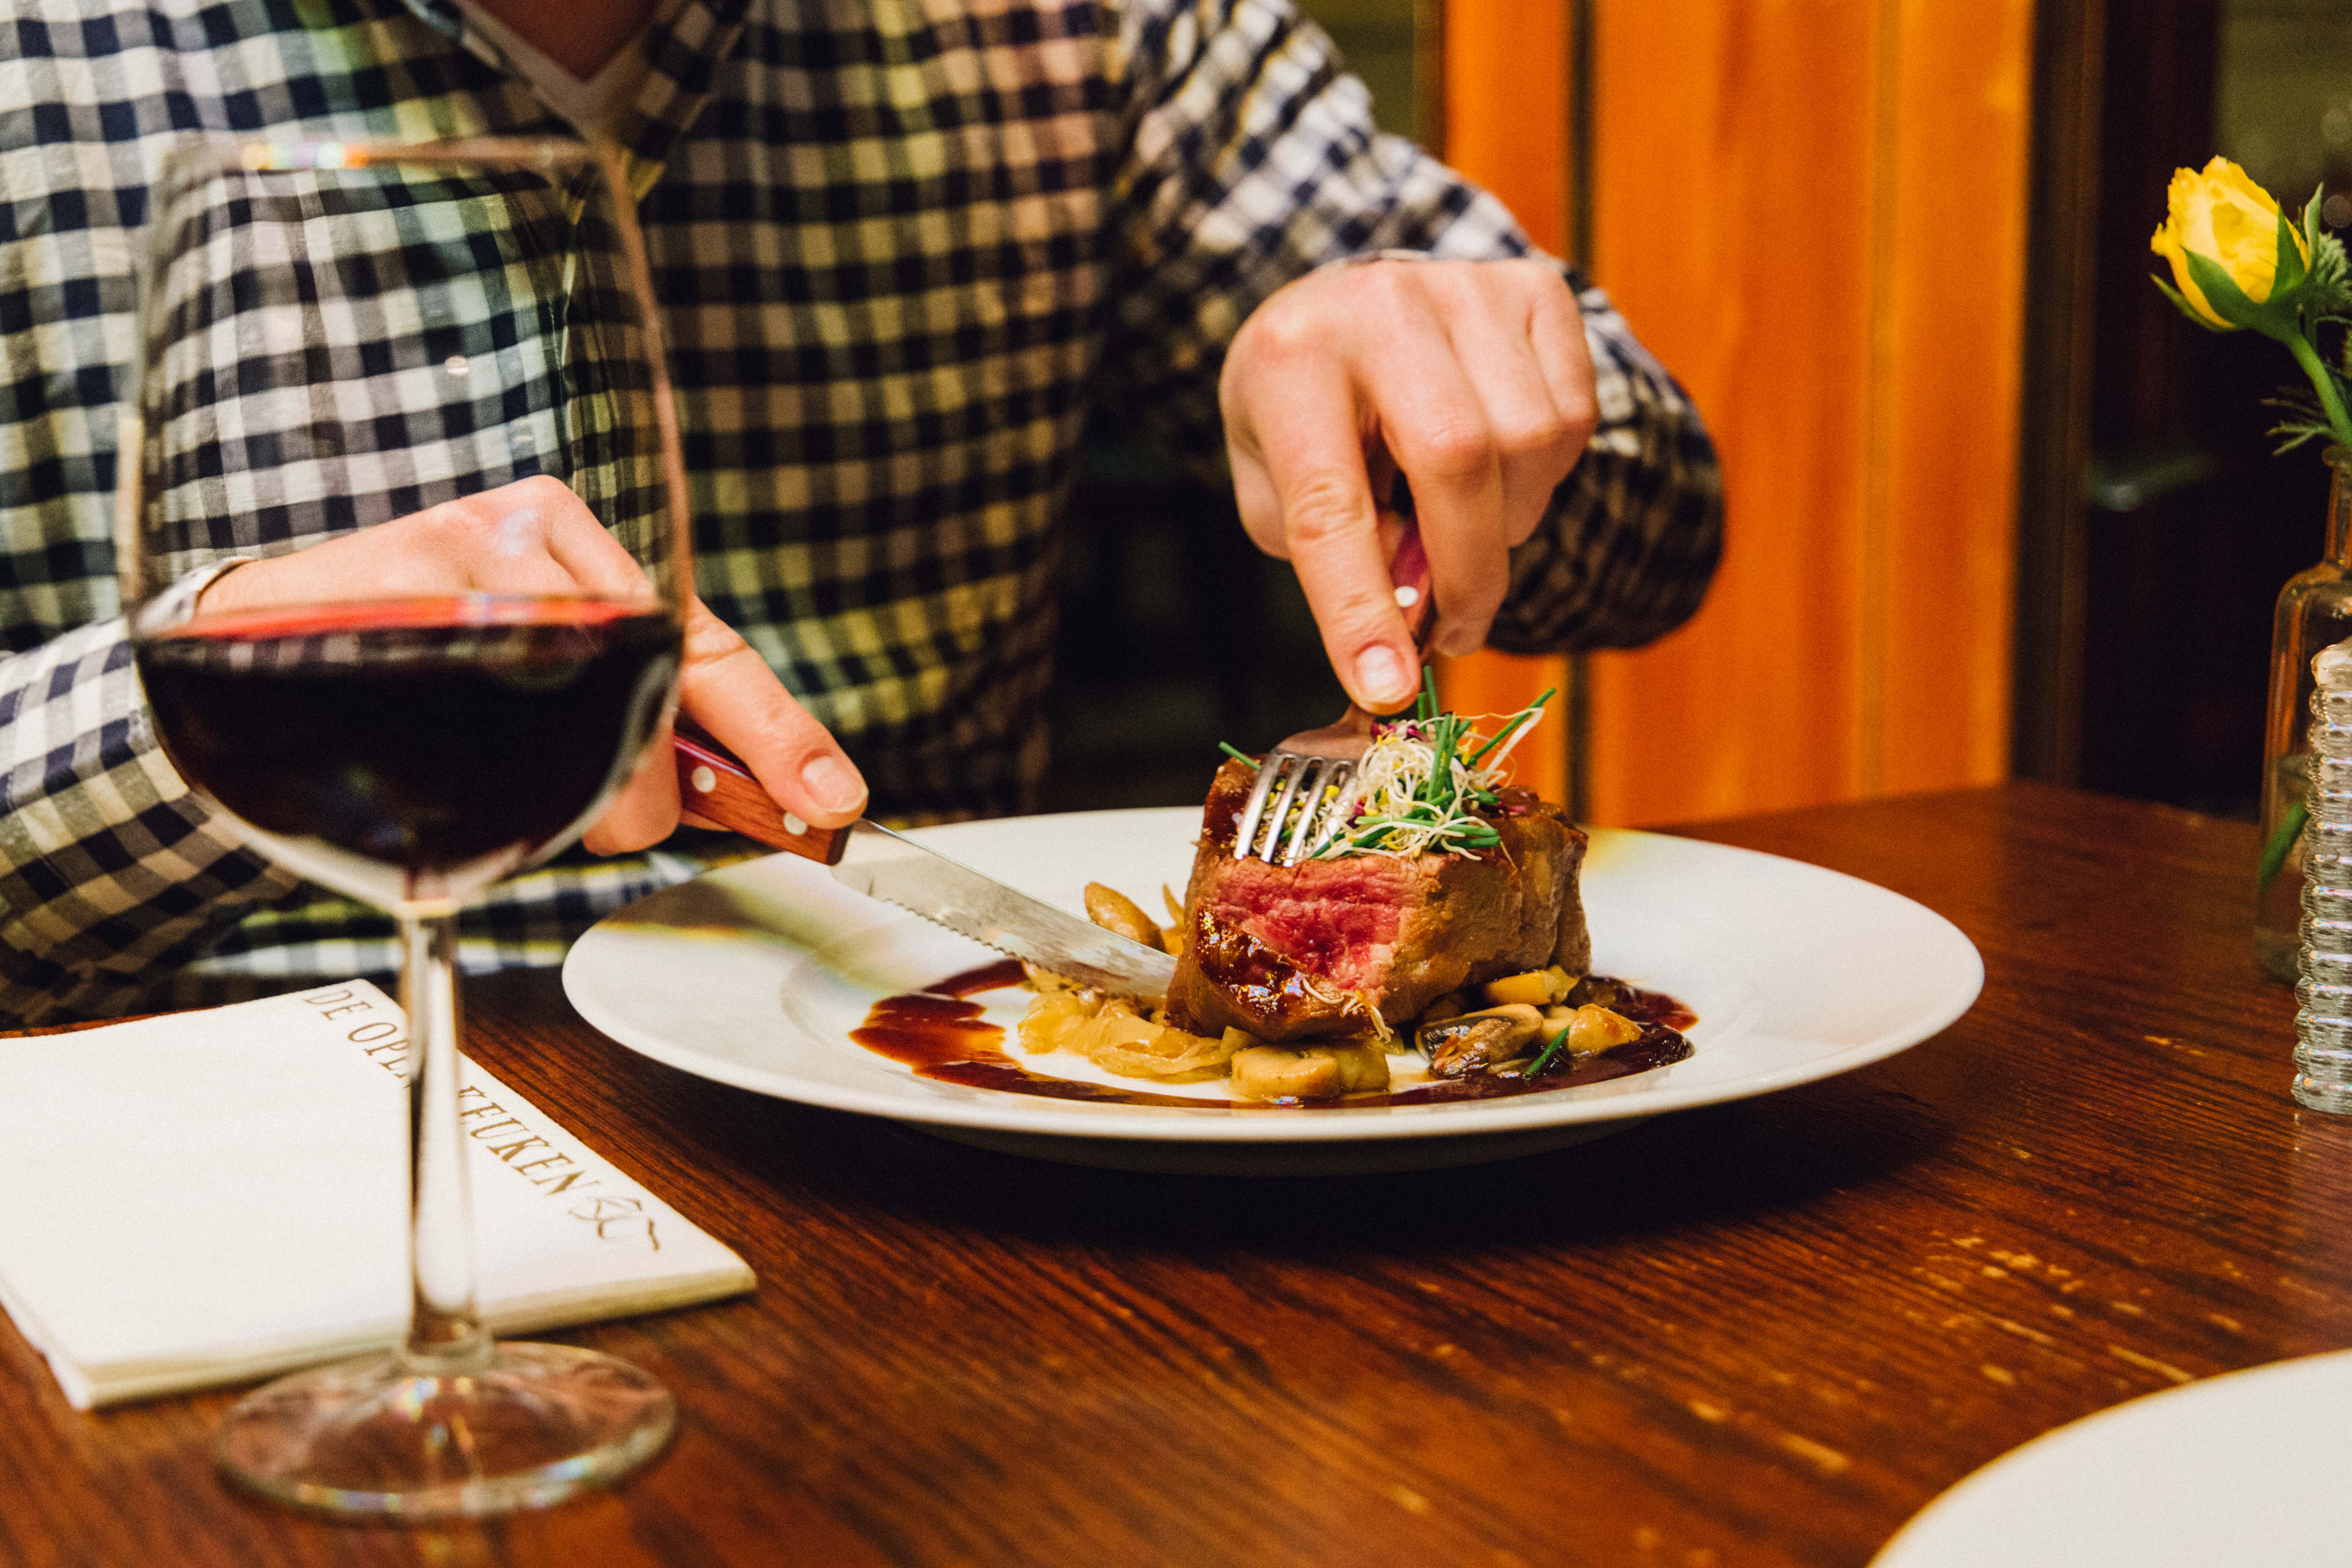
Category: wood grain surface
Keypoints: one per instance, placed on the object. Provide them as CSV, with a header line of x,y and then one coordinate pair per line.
x,y
1763,1333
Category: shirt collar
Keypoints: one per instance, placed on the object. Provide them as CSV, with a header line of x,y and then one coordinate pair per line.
x,y
684,53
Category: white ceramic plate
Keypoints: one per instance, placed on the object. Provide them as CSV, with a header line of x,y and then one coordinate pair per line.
x,y
2238,1471
755,975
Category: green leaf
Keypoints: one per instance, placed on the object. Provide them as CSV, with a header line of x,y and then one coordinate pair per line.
x,y
2328,295
2274,853
2298,435
2301,420
2188,309
2273,318
2287,281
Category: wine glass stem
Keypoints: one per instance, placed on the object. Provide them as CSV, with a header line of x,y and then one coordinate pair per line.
x,y
446,1336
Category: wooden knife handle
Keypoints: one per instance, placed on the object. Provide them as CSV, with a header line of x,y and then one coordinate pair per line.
x,y
713,783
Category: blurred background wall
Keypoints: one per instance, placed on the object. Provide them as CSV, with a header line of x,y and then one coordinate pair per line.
x,y
1994,508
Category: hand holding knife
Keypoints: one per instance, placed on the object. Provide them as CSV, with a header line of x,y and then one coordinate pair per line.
x,y
871,859
714,784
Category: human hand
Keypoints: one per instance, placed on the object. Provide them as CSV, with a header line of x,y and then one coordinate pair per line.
x,y
536,537
1470,377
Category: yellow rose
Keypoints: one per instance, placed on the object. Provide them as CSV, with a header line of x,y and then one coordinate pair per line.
x,y
2225,217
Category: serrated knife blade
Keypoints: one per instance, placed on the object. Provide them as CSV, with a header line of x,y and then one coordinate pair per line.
x,y
716,785
885,865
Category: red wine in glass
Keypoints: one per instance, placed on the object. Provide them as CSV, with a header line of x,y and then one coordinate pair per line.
x,y
411,750
338,336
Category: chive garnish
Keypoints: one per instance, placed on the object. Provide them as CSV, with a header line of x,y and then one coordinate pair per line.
x,y
1535,1067
1421,786
1527,715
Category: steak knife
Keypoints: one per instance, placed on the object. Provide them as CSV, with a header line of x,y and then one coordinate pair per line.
x,y
869,858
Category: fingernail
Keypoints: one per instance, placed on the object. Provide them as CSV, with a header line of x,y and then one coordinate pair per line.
x,y
833,784
1380,673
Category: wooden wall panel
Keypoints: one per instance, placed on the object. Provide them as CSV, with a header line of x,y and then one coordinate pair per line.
x,y
1950,386
1504,98
1506,106
1813,210
1732,222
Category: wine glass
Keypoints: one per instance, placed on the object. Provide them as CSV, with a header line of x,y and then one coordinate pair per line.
x,y
343,337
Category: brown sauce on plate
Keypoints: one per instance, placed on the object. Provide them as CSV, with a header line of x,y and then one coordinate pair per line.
x,y
939,1033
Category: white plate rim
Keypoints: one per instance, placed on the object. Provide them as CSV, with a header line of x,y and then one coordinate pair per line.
x,y
1946,1532
1036,1114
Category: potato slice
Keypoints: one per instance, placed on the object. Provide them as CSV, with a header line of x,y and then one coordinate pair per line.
x,y
1318,1072
1361,1068
1537,987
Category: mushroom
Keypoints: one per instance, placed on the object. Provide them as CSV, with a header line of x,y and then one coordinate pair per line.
x,y
1114,911
1459,1046
1453,1005
1593,991
1596,1028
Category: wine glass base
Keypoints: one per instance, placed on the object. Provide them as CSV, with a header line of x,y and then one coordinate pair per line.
x,y
371,1438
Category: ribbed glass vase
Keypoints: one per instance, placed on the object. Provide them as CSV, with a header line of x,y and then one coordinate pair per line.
x,y
2315,610
2323,1025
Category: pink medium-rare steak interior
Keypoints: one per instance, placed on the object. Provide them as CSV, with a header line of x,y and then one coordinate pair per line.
x,y
1336,920
1317,951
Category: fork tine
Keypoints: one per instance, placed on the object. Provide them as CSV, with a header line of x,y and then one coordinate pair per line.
x,y
1284,778
1281,810
1311,780
1245,830
1341,778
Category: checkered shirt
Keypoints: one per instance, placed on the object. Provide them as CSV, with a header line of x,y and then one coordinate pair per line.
x,y
903,247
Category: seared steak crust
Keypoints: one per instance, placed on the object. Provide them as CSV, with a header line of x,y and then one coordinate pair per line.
x,y
1310,951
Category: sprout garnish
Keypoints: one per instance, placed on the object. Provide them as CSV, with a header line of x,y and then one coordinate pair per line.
x,y
1417,790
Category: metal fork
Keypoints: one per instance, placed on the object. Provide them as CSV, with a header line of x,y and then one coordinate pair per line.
x,y
1303,768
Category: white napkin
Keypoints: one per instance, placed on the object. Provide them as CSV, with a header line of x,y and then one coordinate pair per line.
x,y
212,1196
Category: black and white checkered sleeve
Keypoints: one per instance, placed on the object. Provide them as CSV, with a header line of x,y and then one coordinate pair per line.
x,y
1252,159
109,867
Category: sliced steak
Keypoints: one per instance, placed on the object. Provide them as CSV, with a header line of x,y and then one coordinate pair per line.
x,y
1314,950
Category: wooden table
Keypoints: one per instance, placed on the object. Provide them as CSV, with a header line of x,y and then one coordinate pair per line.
x,y
1762,1333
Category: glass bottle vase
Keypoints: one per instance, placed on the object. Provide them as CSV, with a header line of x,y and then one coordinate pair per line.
x,y
2315,610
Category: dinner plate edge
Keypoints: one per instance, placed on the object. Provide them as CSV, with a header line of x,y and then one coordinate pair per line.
x,y
1003,1113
